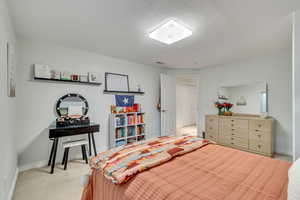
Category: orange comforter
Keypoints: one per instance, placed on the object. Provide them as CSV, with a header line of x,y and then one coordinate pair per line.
x,y
209,173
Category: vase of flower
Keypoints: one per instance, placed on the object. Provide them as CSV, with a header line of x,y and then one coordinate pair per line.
x,y
227,107
220,108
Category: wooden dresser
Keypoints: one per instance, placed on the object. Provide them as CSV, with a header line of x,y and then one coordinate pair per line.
x,y
245,132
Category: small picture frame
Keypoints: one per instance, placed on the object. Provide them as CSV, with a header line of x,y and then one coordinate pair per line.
x,y
94,77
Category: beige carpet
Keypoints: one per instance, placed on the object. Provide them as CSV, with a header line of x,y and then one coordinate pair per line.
x,y
38,184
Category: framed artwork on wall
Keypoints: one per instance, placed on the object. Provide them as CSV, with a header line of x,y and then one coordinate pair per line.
x,y
116,82
11,70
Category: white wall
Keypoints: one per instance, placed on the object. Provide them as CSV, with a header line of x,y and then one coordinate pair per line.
x,y
185,105
8,155
36,99
296,85
275,70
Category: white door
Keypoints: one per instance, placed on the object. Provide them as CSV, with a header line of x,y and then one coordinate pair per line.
x,y
168,104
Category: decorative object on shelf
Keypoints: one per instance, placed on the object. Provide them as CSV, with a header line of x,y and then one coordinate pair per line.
x,y
11,70
221,97
65,75
42,71
116,82
55,74
75,77
116,109
83,78
227,107
241,101
72,109
220,107
94,77
124,100
138,87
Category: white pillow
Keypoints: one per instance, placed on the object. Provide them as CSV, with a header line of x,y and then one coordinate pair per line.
x,y
294,181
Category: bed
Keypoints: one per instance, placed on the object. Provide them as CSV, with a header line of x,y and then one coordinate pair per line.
x,y
211,172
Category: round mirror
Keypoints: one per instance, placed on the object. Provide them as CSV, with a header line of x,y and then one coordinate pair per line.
x,y
72,104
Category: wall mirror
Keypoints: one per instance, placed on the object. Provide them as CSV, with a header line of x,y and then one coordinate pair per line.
x,y
71,104
247,98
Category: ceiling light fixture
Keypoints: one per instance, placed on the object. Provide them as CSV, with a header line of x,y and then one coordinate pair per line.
x,y
170,32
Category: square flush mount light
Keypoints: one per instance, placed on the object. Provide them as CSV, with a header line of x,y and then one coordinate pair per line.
x,y
170,32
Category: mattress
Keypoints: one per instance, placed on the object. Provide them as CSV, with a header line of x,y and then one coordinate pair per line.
x,y
212,172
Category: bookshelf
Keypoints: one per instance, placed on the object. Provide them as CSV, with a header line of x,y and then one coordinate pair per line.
x,y
126,128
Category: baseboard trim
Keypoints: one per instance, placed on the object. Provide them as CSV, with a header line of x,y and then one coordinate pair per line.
x,y
13,185
29,166
43,163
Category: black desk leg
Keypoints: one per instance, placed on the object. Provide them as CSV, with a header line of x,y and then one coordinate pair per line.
x,y
94,145
90,146
54,155
51,154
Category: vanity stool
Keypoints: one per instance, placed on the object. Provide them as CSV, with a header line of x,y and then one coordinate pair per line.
x,y
69,144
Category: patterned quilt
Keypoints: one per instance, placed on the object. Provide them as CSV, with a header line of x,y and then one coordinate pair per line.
x,y
122,163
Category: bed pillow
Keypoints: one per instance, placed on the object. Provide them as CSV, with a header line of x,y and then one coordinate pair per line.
x,y
294,181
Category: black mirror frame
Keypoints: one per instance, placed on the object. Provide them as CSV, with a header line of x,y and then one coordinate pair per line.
x,y
60,100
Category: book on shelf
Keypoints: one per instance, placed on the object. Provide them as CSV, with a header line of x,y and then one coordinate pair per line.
x,y
120,133
140,130
131,119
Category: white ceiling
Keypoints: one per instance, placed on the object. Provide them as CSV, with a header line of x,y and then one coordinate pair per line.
x,y
223,30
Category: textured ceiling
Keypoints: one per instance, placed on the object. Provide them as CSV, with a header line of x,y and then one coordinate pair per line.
x,y
223,30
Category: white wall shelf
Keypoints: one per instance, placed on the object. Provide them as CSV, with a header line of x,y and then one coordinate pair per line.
x,y
126,128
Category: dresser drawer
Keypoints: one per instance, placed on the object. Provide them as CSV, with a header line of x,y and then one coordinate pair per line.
x,y
211,136
259,146
240,133
240,142
225,123
262,125
225,130
260,136
240,123
211,128
212,120
234,141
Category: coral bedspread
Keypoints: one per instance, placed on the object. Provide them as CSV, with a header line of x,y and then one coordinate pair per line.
x,y
212,172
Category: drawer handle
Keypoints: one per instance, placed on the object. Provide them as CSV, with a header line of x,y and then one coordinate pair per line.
x,y
256,130
259,146
259,125
232,143
232,134
233,129
232,138
259,136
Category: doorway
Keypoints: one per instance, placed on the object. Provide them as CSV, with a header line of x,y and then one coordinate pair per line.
x,y
186,105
